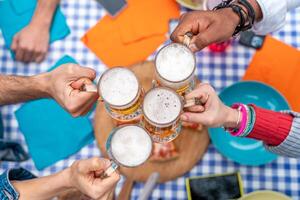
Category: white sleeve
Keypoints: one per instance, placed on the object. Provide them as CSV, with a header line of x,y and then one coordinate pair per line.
x,y
274,14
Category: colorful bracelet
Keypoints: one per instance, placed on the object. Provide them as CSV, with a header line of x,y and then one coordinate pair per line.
x,y
250,122
244,119
253,119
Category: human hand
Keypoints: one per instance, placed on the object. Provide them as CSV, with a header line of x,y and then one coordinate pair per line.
x,y
213,113
83,175
31,43
65,84
207,27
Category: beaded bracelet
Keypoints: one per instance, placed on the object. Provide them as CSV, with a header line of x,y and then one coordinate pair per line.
x,y
244,118
246,18
248,124
253,119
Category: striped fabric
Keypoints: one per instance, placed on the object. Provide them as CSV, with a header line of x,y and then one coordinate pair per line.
x,y
290,147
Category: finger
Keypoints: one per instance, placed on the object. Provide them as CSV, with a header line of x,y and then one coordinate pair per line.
x,y
78,101
197,98
78,84
14,44
107,195
201,91
86,107
182,28
195,109
204,38
85,72
109,182
93,164
193,117
28,56
40,57
190,125
20,54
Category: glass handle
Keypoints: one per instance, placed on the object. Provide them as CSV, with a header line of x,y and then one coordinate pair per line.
x,y
187,38
109,170
154,84
89,88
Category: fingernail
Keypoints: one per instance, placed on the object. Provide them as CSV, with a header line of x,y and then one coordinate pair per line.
x,y
194,126
184,117
201,109
193,47
107,162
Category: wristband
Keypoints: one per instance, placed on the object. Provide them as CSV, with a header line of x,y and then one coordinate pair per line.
x,y
243,119
246,18
248,124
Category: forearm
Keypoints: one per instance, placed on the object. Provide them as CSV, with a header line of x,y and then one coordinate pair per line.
x,y
15,89
43,188
269,126
44,12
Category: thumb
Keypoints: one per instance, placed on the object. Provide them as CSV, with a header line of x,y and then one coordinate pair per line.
x,y
14,44
78,84
203,39
189,117
94,164
85,72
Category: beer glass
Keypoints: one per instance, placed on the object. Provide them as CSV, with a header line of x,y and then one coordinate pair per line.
x,y
161,114
175,66
128,146
122,94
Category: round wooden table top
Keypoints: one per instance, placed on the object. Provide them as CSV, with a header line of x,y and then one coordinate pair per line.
x,y
191,144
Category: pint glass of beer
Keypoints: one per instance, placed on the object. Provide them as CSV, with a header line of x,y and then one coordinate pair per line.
x,y
161,114
175,66
129,146
122,94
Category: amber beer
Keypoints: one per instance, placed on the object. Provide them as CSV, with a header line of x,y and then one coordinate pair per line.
x,y
161,114
122,94
175,66
129,146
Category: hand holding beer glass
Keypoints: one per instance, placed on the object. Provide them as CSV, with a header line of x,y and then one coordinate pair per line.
x,y
128,146
175,66
153,117
122,94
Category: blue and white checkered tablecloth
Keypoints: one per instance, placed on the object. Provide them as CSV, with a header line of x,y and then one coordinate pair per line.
x,y
220,70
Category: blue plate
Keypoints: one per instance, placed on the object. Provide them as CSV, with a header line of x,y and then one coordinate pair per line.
x,y
244,150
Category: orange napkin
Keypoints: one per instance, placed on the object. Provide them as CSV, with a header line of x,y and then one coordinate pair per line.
x,y
134,34
278,65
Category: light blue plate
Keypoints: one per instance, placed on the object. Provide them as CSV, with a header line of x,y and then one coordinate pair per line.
x,y
243,150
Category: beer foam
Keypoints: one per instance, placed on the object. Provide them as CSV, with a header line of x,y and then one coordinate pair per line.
x,y
175,62
161,105
131,146
118,86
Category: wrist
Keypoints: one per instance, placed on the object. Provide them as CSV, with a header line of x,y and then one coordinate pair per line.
x,y
232,118
235,19
41,23
41,83
257,10
66,178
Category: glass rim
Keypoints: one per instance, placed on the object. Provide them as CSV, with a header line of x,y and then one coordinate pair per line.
x,y
131,101
166,46
168,123
113,132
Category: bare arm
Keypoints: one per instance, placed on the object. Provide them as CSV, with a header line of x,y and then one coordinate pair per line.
x,y
81,176
44,12
210,26
43,188
31,43
62,84
15,89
